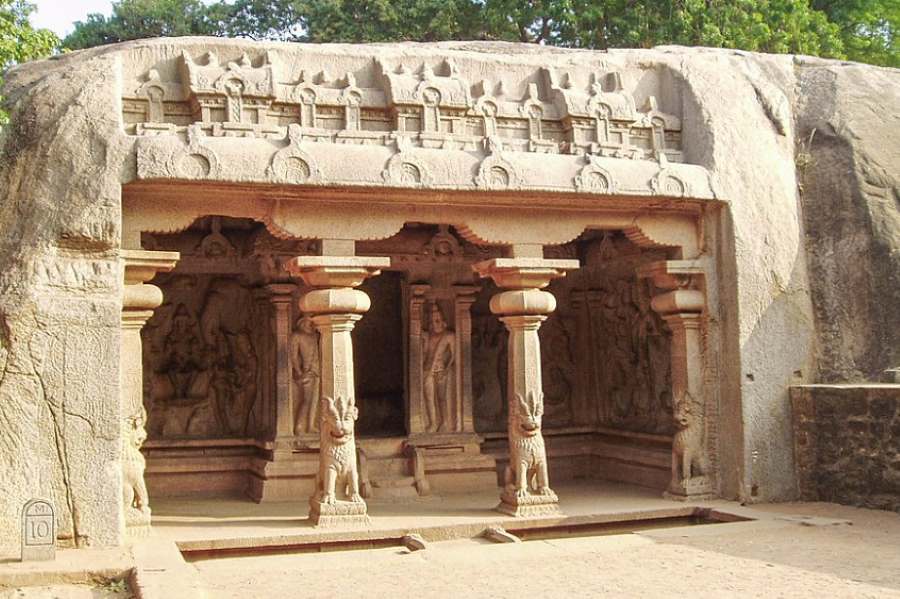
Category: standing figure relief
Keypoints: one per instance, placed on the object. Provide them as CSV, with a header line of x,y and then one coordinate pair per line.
x,y
439,373
306,369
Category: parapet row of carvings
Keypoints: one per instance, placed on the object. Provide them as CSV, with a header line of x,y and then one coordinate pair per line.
x,y
433,107
306,161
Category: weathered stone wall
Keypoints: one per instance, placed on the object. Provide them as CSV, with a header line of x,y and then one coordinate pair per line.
x,y
60,286
848,136
847,444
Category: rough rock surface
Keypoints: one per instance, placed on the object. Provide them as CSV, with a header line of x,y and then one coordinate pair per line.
x,y
66,156
848,136
847,444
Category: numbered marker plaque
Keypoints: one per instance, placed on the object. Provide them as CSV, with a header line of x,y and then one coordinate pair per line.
x,y
38,531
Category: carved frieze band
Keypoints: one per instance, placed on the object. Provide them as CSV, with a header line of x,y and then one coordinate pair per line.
x,y
416,128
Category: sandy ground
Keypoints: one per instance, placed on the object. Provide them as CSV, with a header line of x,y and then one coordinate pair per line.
x,y
73,591
772,557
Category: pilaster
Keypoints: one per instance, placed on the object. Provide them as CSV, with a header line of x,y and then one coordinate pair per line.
x,y
681,301
281,296
139,300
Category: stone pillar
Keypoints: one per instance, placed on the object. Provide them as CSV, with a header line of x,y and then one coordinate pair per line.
x,y
680,301
138,302
281,298
522,307
335,306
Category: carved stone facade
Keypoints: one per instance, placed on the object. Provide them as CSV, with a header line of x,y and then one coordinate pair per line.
x,y
361,199
432,359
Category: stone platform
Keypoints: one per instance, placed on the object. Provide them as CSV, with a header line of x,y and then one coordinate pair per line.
x,y
239,525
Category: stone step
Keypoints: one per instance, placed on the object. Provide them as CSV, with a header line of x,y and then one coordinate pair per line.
x,y
393,483
387,467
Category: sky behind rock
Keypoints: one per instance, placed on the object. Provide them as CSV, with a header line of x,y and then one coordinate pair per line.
x,y
59,16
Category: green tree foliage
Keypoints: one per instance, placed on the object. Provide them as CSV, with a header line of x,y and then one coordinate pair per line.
x,y
864,30
868,28
19,41
137,19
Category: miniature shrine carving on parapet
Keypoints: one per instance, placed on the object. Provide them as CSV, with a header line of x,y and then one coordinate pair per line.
x,y
432,105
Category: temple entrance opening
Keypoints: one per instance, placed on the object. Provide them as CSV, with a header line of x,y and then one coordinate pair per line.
x,y
378,359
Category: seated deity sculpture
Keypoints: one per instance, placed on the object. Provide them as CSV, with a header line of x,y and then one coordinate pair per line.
x,y
438,371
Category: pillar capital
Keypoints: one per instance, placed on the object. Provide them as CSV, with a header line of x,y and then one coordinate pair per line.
x,y
139,299
142,265
673,274
524,273
336,271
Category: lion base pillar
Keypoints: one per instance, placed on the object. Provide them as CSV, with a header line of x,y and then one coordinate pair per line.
x,y
680,301
139,300
522,307
335,306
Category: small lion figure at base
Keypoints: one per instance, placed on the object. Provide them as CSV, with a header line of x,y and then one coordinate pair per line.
x,y
337,454
134,490
688,459
526,473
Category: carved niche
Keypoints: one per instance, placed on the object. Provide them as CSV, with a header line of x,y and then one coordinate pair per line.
x,y
205,349
621,346
203,366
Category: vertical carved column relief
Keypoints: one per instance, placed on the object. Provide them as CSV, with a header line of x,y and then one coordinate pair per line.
x,y
522,308
281,298
465,297
138,302
415,409
335,306
680,301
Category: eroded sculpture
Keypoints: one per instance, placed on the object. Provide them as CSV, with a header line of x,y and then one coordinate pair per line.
x,y
689,464
337,497
527,484
134,491
438,369
306,367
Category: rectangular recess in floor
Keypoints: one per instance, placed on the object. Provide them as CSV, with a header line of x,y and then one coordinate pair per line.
x,y
533,529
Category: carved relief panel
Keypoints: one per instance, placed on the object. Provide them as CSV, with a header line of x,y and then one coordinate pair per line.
x,y
209,362
201,363
620,347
